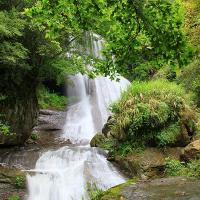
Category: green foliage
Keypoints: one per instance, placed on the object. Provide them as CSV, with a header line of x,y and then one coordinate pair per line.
x,y
176,168
115,192
168,135
140,38
190,78
127,147
168,73
12,52
11,25
28,56
49,100
34,136
192,22
94,192
20,182
141,35
153,113
14,197
4,129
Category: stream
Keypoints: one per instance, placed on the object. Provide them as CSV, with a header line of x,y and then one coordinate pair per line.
x,y
64,174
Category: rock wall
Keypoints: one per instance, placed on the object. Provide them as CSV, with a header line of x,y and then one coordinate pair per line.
x,y
20,110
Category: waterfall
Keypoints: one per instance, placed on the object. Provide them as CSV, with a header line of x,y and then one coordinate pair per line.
x,y
63,174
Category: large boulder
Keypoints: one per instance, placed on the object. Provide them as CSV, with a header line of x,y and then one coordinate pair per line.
x,y
98,140
178,188
149,163
107,132
192,150
50,120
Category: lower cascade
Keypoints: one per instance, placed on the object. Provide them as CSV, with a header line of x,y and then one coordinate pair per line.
x,y
64,174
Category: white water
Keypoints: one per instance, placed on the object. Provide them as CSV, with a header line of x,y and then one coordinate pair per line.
x,y
63,174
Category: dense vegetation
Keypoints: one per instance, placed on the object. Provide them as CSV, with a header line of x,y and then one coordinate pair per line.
x,y
146,41
141,35
35,36
177,168
161,113
155,113
51,100
27,59
190,79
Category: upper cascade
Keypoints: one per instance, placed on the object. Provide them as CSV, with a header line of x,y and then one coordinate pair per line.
x,y
90,98
89,112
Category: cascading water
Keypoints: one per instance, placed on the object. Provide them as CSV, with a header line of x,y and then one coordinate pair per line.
x,y
63,174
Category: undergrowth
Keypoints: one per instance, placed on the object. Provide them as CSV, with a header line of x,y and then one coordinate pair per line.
x,y
94,192
177,168
50,100
153,113
4,129
14,197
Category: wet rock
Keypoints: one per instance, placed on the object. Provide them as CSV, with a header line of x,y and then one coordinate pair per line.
x,y
12,181
106,127
50,120
27,155
178,188
149,163
120,135
97,140
8,140
192,150
48,112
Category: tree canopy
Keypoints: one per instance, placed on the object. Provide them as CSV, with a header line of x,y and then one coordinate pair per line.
x,y
140,36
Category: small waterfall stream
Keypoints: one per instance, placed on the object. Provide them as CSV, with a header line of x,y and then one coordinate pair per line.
x,y
63,174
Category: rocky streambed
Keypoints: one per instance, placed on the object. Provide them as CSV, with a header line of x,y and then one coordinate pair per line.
x,y
14,161
147,165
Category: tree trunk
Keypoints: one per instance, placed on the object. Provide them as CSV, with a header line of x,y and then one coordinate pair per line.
x,y
20,111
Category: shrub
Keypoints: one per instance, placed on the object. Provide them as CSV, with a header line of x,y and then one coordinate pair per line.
x,y
168,135
14,197
167,72
4,128
34,136
190,78
153,113
94,192
49,100
20,182
176,168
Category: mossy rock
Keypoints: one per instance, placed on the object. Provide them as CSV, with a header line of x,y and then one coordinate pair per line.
x,y
175,188
12,183
114,193
149,163
13,176
98,140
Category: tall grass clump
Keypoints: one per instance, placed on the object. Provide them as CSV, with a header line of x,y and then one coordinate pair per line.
x,y
155,113
51,100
